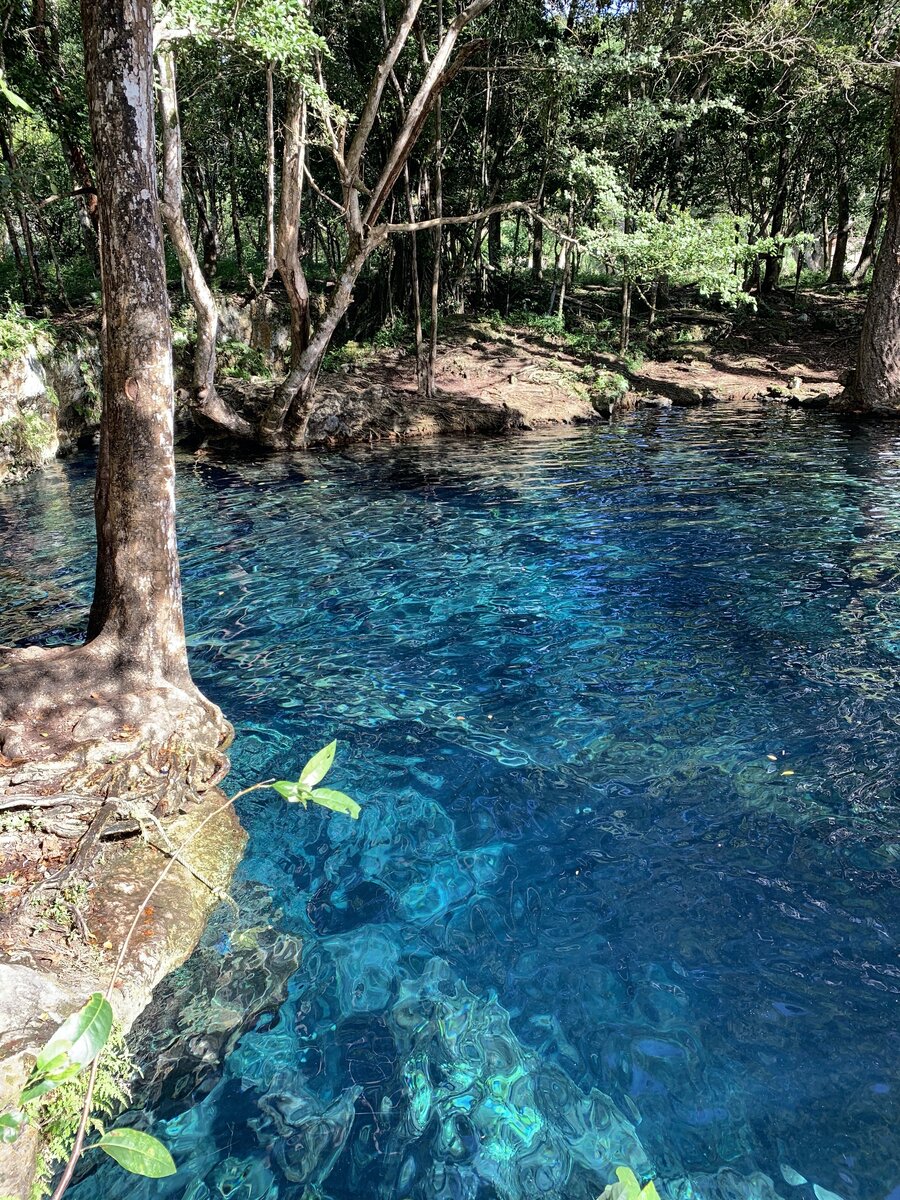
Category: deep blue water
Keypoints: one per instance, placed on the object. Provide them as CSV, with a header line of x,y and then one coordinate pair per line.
x,y
621,708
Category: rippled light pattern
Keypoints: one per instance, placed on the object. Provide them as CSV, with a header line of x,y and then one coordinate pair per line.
x,y
622,710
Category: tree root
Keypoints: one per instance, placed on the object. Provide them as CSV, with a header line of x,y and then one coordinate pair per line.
x,y
76,723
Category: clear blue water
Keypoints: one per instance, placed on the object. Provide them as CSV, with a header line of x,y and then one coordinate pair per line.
x,y
622,710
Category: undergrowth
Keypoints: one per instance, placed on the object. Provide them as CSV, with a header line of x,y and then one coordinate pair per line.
x,y
57,1114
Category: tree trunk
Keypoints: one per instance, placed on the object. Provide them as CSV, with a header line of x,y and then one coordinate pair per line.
x,y
842,234
235,210
537,250
870,242
206,224
438,233
271,264
21,269
132,676
287,249
772,273
875,386
207,400
24,223
294,396
416,299
137,598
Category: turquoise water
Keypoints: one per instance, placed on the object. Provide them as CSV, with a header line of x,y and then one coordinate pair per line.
x,y
621,709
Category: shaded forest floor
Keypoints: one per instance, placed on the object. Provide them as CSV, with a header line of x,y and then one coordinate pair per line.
x,y
528,371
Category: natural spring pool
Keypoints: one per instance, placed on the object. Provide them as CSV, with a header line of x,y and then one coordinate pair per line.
x,y
621,707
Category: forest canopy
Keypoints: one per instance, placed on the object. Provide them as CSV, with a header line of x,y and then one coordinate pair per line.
x,y
378,153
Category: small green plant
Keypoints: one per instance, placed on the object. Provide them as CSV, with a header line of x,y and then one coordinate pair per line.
x,y
81,1039
306,789
629,1187
393,334
75,1045
57,1114
18,332
28,436
237,360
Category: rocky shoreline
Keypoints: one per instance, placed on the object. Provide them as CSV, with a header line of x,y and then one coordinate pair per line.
x,y
49,965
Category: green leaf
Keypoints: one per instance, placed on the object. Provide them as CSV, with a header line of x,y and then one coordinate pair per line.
x,y
80,1038
138,1153
824,1194
336,801
10,96
794,1178
291,791
10,1125
46,1083
318,766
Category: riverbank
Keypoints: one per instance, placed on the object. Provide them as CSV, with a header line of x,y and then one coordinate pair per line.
x,y
73,871
494,374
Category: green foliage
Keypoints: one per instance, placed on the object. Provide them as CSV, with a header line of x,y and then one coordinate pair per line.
x,y
305,789
237,360
138,1153
275,31
607,388
57,1114
54,1095
394,333
18,333
11,98
28,437
72,1047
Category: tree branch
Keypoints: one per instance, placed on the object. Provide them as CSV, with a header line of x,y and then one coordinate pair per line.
x,y
382,74
435,79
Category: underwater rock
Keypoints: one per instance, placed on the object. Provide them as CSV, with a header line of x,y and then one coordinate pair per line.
x,y
239,972
493,1111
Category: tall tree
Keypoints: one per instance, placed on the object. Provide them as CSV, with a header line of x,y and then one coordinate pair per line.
x,y
875,385
133,670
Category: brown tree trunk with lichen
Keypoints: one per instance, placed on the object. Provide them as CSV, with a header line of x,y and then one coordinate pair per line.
x,y
875,384
130,681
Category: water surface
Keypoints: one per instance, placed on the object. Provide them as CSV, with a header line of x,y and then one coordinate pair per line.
x,y
621,709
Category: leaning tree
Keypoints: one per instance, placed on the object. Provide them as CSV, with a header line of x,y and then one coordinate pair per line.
x,y
129,685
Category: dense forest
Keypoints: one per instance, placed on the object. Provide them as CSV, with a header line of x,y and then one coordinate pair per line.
x,y
379,168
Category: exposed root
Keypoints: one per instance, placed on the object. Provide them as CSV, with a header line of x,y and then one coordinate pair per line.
x,y
76,720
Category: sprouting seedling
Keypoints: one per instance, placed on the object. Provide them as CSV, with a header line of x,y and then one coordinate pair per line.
x,y
306,789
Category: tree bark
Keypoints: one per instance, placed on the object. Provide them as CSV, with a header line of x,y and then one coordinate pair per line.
x,y
207,400
129,686
870,242
772,273
287,247
137,596
271,264
206,222
875,385
842,233
438,232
